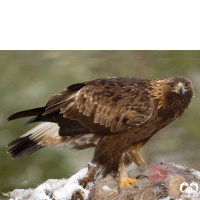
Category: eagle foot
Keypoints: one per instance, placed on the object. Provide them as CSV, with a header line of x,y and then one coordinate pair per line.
x,y
126,182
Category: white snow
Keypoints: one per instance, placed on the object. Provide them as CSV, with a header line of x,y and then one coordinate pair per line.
x,y
72,185
106,188
19,194
59,189
195,172
179,166
92,164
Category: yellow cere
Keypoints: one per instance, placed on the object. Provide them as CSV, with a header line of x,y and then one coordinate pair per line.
x,y
180,84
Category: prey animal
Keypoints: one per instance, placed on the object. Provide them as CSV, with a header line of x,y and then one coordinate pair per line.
x,y
115,115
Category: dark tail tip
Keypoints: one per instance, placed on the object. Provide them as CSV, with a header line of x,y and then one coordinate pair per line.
x,y
23,147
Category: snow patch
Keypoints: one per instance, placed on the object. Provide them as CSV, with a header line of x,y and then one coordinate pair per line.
x,y
72,186
178,166
59,189
195,172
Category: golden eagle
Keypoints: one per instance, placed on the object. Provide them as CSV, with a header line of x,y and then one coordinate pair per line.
x,y
115,115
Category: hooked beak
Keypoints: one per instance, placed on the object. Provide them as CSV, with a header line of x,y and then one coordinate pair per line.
x,y
180,89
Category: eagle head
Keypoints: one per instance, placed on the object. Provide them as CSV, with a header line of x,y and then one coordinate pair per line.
x,y
178,93
180,86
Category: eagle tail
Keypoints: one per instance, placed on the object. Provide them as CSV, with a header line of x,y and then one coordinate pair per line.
x,y
27,113
47,134
42,135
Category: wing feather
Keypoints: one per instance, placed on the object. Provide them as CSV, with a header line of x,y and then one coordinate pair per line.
x,y
104,106
107,108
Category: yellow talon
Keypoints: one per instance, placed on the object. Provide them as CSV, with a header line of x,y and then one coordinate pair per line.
x,y
126,182
132,180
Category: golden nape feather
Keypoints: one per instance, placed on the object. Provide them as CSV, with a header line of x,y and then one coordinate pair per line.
x,y
117,116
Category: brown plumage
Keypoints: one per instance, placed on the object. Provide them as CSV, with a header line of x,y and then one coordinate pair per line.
x,y
115,115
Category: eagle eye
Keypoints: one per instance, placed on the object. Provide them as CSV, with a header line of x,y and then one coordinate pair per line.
x,y
187,84
171,85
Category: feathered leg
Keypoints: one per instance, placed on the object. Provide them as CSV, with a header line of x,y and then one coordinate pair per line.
x,y
135,155
137,159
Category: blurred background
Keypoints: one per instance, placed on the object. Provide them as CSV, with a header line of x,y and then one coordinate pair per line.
x,y
29,78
